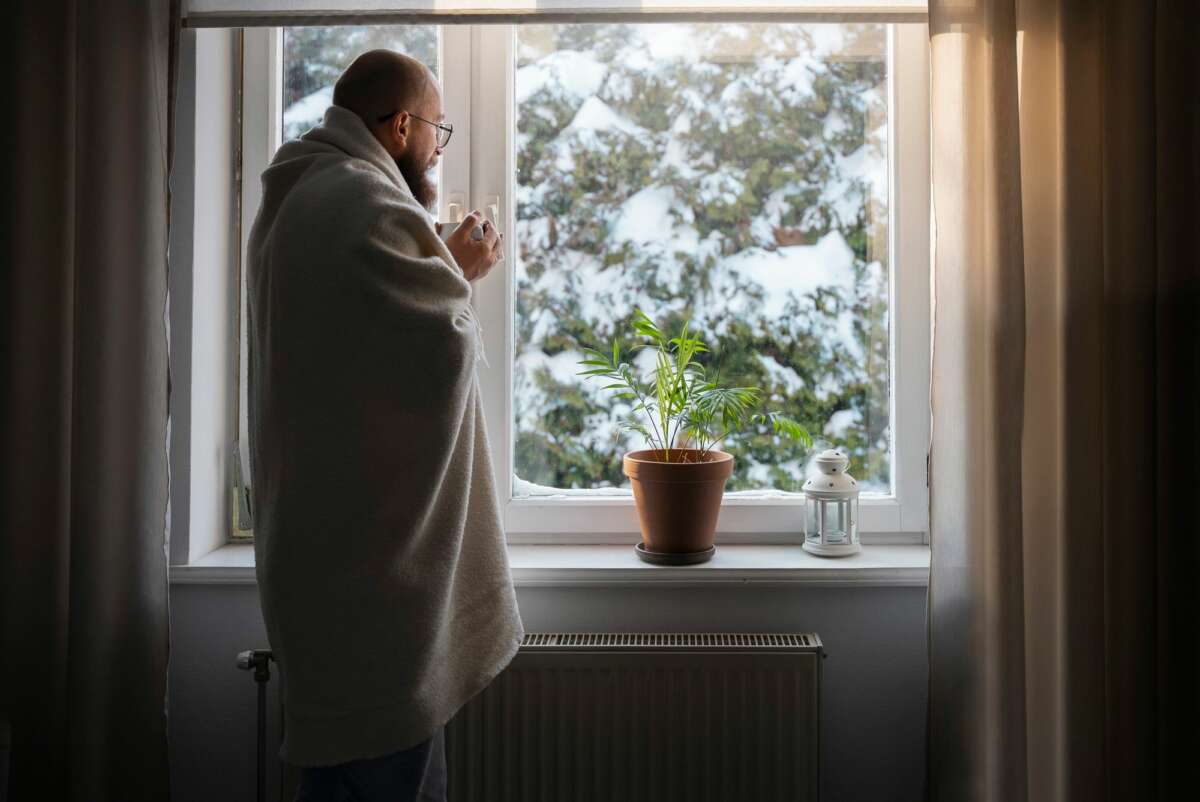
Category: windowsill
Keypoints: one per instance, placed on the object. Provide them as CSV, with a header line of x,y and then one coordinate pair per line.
x,y
617,565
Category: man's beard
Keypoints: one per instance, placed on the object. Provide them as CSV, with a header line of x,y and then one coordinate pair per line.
x,y
418,179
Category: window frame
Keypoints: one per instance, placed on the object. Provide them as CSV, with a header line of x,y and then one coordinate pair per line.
x,y
478,83
262,132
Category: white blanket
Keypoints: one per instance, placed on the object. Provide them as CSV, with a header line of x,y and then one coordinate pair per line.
x,y
382,568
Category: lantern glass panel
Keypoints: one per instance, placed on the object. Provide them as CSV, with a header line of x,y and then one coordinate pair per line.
x,y
837,518
812,520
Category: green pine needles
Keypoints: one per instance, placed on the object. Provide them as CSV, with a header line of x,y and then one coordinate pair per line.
x,y
679,402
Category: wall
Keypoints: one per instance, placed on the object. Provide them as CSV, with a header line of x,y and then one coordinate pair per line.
x,y
203,276
215,290
873,703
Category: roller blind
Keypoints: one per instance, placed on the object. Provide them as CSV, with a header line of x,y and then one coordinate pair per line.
x,y
259,13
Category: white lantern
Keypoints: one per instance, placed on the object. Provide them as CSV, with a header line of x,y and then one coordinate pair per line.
x,y
831,514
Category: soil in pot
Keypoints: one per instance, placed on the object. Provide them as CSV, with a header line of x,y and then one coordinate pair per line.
x,y
678,502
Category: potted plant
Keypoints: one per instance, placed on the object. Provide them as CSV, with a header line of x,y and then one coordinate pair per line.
x,y
683,414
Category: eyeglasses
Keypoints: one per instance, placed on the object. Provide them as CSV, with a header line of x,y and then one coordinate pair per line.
x,y
445,130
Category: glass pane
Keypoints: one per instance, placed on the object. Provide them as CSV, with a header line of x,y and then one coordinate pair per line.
x,y
733,175
836,521
313,58
812,520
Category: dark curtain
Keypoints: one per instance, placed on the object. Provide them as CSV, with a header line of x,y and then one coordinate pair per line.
x,y
83,397
1066,359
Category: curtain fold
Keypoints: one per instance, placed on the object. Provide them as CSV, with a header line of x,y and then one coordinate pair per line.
x,y
83,488
1065,361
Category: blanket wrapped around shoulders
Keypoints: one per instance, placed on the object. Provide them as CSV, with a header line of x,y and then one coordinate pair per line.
x,y
382,569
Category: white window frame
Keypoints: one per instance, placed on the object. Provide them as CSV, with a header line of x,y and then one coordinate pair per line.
x,y
262,131
478,84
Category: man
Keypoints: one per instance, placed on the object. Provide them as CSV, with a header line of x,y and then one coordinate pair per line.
x,y
381,562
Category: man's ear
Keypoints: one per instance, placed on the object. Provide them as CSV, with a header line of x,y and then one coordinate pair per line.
x,y
400,125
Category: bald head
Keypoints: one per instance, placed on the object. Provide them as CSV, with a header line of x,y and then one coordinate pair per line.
x,y
380,82
400,102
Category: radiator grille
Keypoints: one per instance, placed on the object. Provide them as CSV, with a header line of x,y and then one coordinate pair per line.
x,y
669,640
705,717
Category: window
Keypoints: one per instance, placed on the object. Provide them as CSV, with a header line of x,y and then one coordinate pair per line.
x,y
767,182
314,57
734,176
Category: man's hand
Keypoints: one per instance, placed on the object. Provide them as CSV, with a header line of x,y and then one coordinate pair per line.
x,y
476,256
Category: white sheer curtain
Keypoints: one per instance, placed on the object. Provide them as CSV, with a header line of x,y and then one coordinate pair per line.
x,y
1065,439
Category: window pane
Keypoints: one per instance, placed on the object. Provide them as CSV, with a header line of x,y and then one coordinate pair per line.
x,y
313,58
733,175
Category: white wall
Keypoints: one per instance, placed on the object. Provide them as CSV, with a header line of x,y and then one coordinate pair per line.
x,y
203,275
873,702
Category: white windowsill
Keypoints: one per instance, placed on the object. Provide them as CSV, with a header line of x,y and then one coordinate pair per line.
x,y
617,565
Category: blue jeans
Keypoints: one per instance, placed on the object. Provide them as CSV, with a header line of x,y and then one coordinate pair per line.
x,y
413,775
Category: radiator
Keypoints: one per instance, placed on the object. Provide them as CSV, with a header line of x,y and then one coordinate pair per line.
x,y
629,717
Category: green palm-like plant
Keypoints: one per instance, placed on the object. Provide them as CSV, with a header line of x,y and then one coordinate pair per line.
x,y
680,399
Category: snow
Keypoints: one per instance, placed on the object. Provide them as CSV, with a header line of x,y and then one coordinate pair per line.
x,y
759,473
596,115
793,468
669,42
675,155
835,125
875,282
781,374
645,362
773,209
606,294
732,93
645,215
576,74
848,338
306,112
564,159
797,77
563,367
787,273
841,422
827,387
533,233
797,270
661,226
722,186
602,295
733,105
866,164
827,39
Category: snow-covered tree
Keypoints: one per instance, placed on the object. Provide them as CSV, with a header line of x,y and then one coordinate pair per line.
x,y
733,175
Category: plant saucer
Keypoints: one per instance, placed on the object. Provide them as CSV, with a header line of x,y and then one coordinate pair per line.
x,y
674,558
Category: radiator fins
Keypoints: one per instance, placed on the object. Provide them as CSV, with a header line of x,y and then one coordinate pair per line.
x,y
663,717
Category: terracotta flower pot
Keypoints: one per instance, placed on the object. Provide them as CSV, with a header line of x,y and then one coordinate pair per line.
x,y
678,501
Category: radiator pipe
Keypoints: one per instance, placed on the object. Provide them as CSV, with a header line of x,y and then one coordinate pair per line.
x,y
260,661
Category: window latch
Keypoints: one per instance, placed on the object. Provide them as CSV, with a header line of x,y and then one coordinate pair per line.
x,y
245,508
456,207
